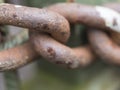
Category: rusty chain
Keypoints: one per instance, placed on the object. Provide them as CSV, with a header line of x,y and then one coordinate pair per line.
x,y
49,31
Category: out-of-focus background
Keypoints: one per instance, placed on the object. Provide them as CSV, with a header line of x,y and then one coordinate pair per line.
x,y
42,75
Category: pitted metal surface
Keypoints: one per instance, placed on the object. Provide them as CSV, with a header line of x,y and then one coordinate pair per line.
x,y
106,45
37,19
49,30
91,16
60,54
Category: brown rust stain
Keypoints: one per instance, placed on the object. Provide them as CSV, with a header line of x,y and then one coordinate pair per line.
x,y
57,26
58,53
51,52
82,14
107,49
14,16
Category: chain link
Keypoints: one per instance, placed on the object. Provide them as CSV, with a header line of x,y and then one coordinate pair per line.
x,y
49,31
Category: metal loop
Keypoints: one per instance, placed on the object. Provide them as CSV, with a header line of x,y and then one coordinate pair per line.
x,y
37,19
49,30
104,46
101,43
91,16
60,54
17,57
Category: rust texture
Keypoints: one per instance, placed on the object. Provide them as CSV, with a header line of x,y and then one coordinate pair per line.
x,y
60,54
49,30
82,14
107,46
48,22
104,46
16,57
37,19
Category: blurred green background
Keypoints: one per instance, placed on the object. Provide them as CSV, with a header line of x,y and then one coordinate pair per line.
x,y
97,76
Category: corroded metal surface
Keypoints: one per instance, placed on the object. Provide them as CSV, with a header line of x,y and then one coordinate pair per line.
x,y
60,54
92,16
49,30
32,18
40,20
17,56
37,19
104,46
